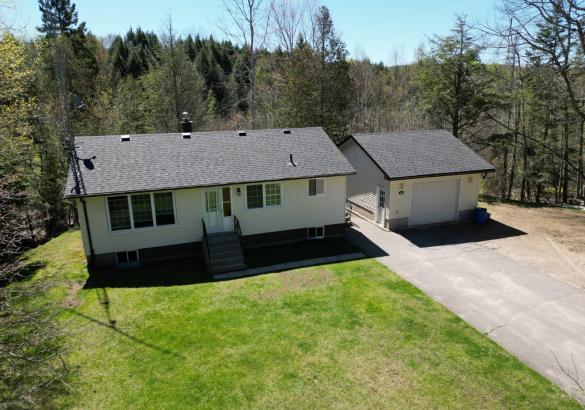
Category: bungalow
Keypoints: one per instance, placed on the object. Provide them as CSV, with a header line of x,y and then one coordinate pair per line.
x,y
412,178
158,196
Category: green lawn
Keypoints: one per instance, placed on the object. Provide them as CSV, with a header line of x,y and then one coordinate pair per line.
x,y
343,335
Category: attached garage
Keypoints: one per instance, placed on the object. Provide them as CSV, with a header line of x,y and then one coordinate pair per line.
x,y
413,178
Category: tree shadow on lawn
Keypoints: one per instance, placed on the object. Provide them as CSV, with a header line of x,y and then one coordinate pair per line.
x,y
461,233
111,323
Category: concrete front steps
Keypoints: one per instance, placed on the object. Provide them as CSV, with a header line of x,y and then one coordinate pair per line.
x,y
225,252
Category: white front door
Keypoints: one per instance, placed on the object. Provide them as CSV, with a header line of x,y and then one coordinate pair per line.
x,y
212,213
381,205
226,207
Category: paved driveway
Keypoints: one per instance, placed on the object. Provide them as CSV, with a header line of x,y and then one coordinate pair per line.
x,y
532,315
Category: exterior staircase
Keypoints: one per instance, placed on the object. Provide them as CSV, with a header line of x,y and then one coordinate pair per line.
x,y
225,252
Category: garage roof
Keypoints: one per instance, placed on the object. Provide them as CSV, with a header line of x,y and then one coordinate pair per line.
x,y
150,162
423,153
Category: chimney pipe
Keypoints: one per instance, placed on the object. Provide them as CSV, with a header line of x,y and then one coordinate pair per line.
x,y
186,124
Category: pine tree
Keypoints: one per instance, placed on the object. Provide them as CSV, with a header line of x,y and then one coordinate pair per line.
x,y
301,95
451,81
58,17
334,83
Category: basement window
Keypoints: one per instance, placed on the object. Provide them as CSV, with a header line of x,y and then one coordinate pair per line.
x,y
127,257
317,232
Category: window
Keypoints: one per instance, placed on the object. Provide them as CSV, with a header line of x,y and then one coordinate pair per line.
x,y
119,212
227,201
141,210
317,232
382,199
316,187
126,257
263,195
272,195
164,210
210,201
254,196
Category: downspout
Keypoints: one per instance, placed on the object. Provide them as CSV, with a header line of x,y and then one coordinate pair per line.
x,y
91,251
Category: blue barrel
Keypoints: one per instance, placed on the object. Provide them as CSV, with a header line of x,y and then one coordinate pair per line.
x,y
481,216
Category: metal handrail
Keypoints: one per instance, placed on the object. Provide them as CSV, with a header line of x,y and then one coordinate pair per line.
x,y
238,231
205,243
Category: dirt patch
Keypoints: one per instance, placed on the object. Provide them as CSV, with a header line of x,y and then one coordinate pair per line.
x,y
554,242
296,280
71,300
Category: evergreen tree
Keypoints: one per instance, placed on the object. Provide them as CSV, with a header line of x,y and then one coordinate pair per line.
x,y
301,95
58,17
190,48
334,83
451,81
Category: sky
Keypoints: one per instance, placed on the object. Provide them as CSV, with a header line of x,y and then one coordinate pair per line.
x,y
378,29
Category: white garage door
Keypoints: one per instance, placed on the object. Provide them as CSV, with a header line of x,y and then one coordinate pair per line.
x,y
434,202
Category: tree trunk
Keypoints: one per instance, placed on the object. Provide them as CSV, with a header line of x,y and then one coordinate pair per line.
x,y
566,157
252,65
524,192
513,167
504,174
580,182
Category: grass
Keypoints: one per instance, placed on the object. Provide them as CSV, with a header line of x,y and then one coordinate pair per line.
x,y
342,335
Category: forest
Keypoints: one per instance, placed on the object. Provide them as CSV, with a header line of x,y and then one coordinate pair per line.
x,y
513,90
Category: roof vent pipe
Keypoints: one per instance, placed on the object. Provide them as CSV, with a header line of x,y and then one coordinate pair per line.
x,y
186,124
291,161
286,131
241,133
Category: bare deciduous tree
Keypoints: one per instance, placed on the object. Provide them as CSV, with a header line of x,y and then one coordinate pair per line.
x,y
289,20
250,20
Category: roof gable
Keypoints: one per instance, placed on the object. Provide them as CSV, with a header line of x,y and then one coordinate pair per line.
x,y
152,162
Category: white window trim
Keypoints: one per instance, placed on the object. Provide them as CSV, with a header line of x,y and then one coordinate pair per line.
x,y
126,252
263,184
322,236
145,228
317,195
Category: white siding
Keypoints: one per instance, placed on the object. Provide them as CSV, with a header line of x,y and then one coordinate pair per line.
x,y
368,175
400,205
298,210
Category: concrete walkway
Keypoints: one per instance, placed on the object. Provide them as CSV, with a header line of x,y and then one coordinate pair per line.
x,y
289,265
537,318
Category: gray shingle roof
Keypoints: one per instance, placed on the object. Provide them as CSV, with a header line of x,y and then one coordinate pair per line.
x,y
152,162
410,154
